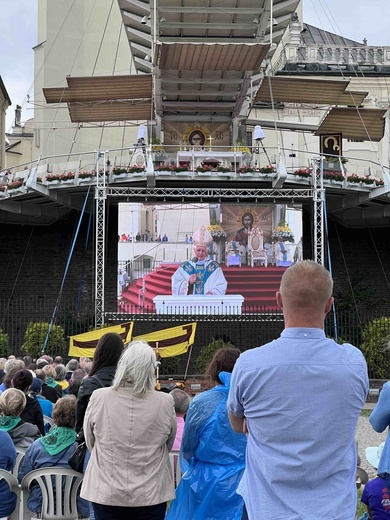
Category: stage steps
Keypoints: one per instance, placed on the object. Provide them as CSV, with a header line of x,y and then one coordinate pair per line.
x,y
257,284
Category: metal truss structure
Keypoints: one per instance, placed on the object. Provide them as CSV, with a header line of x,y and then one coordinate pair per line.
x,y
257,195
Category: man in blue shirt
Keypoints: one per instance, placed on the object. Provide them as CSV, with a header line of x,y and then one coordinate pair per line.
x,y
299,398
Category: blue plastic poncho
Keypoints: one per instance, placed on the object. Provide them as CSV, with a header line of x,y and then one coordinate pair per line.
x,y
212,458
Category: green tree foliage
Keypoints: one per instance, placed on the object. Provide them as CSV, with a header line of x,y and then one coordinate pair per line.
x,y
375,348
4,344
206,354
34,339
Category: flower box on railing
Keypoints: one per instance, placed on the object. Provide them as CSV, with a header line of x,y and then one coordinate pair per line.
x,y
16,187
86,177
303,173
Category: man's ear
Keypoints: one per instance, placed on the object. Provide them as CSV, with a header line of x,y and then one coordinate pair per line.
x,y
329,304
279,299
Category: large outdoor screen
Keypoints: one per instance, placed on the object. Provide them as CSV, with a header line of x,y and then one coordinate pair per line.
x,y
244,250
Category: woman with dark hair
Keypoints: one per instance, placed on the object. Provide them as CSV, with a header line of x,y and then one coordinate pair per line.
x,y
108,351
212,455
32,412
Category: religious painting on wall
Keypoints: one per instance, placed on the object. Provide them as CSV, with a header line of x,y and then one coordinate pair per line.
x,y
197,136
331,144
239,220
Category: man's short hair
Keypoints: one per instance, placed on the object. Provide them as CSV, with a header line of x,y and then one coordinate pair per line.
x,y
40,374
182,401
72,365
58,360
305,284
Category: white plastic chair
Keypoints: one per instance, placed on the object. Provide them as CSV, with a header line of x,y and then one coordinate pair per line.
x,y
59,487
20,453
175,466
14,486
48,421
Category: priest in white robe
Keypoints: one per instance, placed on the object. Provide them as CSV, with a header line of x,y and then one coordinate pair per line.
x,y
201,275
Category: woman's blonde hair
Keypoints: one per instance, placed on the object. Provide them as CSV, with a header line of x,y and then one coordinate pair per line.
x,y
136,366
12,402
49,371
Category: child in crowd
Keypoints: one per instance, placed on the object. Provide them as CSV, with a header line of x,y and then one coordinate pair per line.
x,y
376,495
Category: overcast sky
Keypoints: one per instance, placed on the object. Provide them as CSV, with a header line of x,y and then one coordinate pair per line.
x,y
354,19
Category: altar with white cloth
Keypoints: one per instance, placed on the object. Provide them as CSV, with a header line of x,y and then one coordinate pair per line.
x,y
195,158
199,304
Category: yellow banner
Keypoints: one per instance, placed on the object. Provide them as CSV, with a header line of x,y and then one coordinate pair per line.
x,y
85,344
171,342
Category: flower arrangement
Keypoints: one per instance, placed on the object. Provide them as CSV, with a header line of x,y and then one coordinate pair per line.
x,y
354,179
379,182
14,185
267,169
333,176
368,180
240,146
246,169
39,179
169,168
66,176
205,168
52,177
222,169
217,232
135,169
282,230
3,188
117,170
86,175
305,173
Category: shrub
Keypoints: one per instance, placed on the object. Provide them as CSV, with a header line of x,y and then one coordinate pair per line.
x,y
206,354
375,348
4,345
34,339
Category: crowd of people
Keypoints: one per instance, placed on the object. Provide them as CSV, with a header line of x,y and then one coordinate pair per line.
x,y
274,438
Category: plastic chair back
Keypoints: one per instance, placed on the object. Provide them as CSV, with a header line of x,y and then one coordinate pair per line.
x,y
14,486
59,487
175,466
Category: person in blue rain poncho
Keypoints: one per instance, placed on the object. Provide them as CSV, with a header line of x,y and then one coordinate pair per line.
x,y
212,455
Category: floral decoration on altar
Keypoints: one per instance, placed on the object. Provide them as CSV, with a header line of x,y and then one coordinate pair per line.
x,y
217,232
282,230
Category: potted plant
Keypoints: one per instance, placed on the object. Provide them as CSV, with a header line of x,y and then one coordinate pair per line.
x,y
86,176
379,182
246,170
119,170
267,169
222,169
240,147
135,169
304,173
334,177
217,231
53,178
39,180
67,178
205,169
3,191
368,181
15,185
354,179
